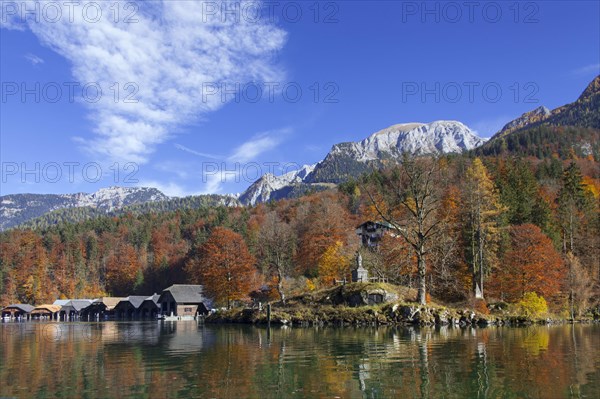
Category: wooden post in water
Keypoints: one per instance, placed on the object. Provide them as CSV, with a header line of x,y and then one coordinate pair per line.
x,y
268,313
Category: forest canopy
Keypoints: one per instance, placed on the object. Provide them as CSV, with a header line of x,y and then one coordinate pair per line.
x,y
504,225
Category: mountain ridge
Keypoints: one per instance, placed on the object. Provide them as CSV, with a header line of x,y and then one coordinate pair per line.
x,y
350,159
583,112
344,160
16,209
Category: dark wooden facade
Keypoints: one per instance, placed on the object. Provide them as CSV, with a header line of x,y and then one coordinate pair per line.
x,y
182,301
371,233
149,309
129,308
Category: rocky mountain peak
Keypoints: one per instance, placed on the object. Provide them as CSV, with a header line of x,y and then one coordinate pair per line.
x,y
592,89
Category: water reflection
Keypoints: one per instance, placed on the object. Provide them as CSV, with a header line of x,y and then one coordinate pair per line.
x,y
184,359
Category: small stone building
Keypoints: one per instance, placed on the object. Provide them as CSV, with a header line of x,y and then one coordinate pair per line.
x,y
182,300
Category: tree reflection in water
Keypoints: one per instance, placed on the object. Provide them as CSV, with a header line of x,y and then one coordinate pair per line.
x,y
183,359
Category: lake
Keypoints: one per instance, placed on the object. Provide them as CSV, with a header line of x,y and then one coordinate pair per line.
x,y
184,360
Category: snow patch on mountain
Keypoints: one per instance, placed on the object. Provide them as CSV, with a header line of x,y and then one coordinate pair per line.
x,y
262,189
18,208
440,137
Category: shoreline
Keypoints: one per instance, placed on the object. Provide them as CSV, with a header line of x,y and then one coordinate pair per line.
x,y
373,304
386,315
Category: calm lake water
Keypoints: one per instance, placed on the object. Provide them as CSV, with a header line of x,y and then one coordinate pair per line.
x,y
184,360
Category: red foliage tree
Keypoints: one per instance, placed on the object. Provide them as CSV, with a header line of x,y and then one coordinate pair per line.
x,y
532,264
224,266
122,270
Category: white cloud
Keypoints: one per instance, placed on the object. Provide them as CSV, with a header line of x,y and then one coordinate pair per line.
x,y
200,154
231,168
179,169
486,128
171,189
34,59
213,183
164,61
588,69
257,145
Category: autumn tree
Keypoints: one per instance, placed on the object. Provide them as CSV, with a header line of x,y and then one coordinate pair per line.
x,y
532,264
481,204
224,266
334,264
575,211
412,200
449,278
321,222
580,285
123,270
392,260
25,269
572,203
167,251
277,244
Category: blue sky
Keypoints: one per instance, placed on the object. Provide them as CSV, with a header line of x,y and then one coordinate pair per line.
x,y
181,110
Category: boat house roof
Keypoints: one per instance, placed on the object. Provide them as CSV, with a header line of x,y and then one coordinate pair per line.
x,y
23,307
184,293
46,308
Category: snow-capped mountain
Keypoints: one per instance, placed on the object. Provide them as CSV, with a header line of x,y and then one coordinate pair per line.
x,y
345,160
440,137
350,159
18,208
268,185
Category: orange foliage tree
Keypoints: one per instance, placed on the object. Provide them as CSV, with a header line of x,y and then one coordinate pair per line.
x,y
450,278
123,270
482,207
224,266
532,264
323,221
334,264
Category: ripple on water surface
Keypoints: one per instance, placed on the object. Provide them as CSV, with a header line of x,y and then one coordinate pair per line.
x,y
184,359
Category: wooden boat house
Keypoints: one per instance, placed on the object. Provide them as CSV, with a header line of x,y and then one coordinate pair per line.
x,y
183,301
46,311
149,309
101,308
73,309
129,308
17,310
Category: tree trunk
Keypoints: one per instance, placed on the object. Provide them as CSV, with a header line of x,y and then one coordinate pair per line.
x,y
571,229
228,292
481,261
474,263
280,285
421,293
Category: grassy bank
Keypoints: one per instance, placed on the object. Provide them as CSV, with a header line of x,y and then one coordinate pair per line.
x,y
358,304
